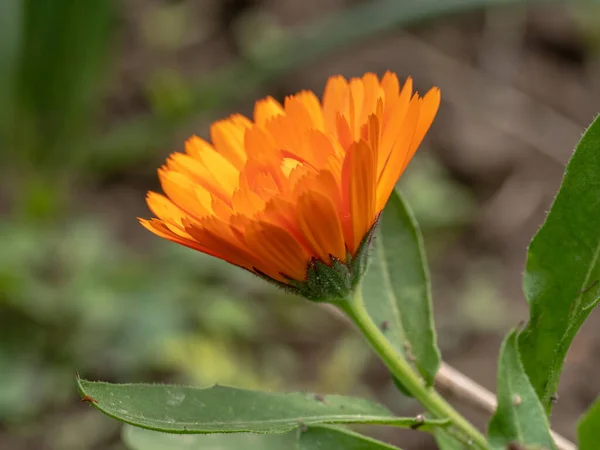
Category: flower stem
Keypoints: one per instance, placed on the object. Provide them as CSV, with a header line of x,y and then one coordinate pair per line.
x,y
401,369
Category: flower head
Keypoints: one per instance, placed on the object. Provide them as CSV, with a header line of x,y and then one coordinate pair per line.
x,y
294,194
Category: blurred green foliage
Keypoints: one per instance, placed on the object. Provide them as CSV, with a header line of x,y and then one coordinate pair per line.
x,y
58,57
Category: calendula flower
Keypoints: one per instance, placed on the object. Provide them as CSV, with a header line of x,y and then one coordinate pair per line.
x,y
294,194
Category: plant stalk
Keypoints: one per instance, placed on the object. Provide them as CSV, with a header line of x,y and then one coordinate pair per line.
x,y
462,387
401,369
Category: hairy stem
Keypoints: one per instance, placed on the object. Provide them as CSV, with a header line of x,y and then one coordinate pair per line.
x,y
458,385
401,369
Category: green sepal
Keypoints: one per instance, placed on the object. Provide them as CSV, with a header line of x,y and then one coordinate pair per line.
x,y
330,283
360,261
334,280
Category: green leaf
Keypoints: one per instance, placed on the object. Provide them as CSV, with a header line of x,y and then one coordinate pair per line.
x,y
563,269
519,416
220,409
446,441
328,438
139,439
589,428
66,43
397,291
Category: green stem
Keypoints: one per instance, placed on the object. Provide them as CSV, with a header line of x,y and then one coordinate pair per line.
x,y
401,369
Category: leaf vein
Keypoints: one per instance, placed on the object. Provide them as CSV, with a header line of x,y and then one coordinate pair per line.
x,y
576,306
391,296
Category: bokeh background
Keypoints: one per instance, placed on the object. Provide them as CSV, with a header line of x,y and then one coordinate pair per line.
x,y
95,94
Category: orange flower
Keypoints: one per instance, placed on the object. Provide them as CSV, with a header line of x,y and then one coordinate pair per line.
x,y
300,188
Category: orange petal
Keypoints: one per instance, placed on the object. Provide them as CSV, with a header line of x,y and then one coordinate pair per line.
x,y
260,180
218,171
259,145
321,226
278,252
170,214
313,148
222,210
358,198
289,164
374,135
399,156
390,86
218,237
199,175
429,108
305,110
290,132
181,190
321,147
326,183
393,116
282,213
228,138
357,96
264,156
266,109
247,202
372,92
297,175
335,101
160,229
344,132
